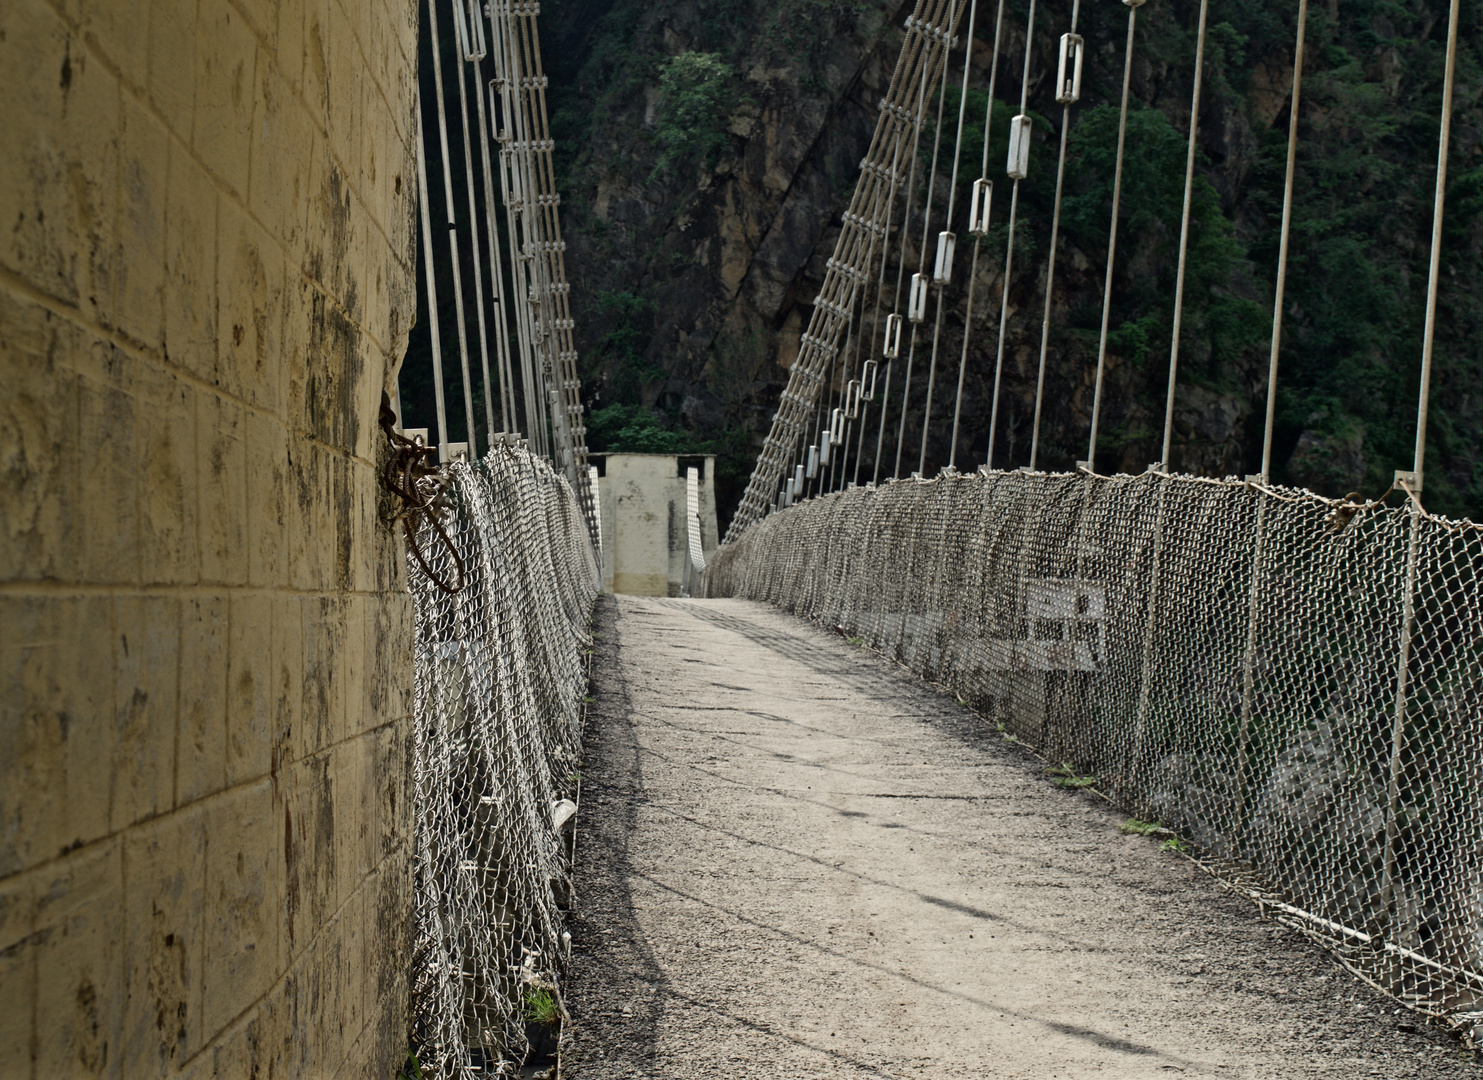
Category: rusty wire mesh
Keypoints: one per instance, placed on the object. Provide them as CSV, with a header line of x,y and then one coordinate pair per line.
x,y
500,676
1226,661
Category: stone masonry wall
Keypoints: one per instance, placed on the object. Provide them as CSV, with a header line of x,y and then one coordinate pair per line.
x,y
205,636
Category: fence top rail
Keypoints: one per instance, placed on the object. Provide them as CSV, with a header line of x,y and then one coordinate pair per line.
x,y
1349,505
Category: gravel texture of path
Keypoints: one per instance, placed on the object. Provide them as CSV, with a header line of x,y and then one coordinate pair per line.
x,y
796,859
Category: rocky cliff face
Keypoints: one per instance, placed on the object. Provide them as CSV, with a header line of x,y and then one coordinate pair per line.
x,y
700,215
694,280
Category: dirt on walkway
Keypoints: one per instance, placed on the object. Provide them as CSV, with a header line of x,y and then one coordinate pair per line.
x,y
797,860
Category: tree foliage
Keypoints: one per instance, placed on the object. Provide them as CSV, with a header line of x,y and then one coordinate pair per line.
x,y
695,89
633,429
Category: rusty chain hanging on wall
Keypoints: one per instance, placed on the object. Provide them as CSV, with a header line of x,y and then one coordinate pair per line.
x,y
409,478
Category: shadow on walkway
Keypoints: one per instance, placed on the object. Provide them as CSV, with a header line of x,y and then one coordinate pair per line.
x,y
798,860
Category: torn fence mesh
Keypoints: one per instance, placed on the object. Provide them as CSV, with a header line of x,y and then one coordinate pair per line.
x,y
499,679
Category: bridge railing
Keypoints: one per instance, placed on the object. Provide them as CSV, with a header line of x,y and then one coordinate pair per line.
x,y
503,606
1293,686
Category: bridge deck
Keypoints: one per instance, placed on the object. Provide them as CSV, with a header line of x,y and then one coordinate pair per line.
x,y
798,860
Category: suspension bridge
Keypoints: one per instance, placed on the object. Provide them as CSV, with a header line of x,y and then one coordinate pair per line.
x,y
1281,687
324,753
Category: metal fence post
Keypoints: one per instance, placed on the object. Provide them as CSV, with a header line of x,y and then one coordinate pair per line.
x,y
1248,663
1412,484
1140,723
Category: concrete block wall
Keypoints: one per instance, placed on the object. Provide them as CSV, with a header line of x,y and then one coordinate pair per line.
x,y
643,505
206,237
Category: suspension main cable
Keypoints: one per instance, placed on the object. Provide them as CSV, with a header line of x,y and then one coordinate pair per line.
x,y
854,363
818,445
841,398
425,213
851,334
922,252
836,466
1014,204
923,43
828,385
466,54
838,461
1067,96
858,288
844,264
880,288
544,326
946,240
497,274
510,136
535,294
463,345
983,172
563,347
911,180
1189,182
1117,193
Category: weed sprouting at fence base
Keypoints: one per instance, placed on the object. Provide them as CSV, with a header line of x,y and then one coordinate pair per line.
x,y
499,687
1242,695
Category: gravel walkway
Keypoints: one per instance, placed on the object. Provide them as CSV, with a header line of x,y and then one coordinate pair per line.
x,y
797,860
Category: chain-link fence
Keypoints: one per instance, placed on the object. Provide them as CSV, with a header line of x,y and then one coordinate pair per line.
x,y
500,677
1292,685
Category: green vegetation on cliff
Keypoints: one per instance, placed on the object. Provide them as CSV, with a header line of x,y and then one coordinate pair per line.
x,y
708,149
693,93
